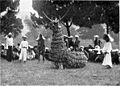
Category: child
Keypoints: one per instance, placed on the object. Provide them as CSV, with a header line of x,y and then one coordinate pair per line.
x,y
23,47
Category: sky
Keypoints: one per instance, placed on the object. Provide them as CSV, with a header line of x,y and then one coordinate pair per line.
x,y
24,13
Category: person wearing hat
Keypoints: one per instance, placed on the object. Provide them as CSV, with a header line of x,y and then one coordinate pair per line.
x,y
107,61
23,49
9,47
41,47
97,41
77,42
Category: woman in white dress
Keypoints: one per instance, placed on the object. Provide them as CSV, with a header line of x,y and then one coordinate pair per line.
x,y
107,61
24,48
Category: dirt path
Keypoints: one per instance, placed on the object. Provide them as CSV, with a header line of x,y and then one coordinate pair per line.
x,y
32,73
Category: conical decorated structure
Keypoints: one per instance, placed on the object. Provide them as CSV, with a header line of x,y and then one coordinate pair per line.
x,y
59,53
57,44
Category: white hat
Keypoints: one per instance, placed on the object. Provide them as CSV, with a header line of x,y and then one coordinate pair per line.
x,y
71,37
10,33
71,47
96,36
24,36
46,48
77,36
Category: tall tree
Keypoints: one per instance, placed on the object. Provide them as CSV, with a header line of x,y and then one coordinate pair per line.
x,y
82,13
8,21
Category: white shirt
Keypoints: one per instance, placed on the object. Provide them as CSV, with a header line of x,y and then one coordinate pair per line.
x,y
24,44
107,47
9,42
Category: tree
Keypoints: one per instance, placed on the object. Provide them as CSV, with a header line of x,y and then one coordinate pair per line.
x,y
9,22
52,10
82,13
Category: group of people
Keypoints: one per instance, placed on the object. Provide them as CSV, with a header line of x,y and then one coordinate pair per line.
x,y
106,50
73,45
23,47
23,50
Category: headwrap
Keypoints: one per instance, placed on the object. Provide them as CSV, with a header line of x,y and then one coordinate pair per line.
x,y
96,36
71,37
24,36
10,34
76,36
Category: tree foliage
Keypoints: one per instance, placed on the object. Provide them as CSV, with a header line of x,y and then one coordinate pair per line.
x,y
82,13
9,22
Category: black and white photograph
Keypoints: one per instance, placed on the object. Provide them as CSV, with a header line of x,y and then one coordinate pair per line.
x,y
59,42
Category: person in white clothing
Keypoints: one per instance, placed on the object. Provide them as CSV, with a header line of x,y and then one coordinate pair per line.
x,y
31,53
23,48
107,51
9,47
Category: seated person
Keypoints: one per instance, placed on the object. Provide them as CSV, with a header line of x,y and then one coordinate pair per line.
x,y
31,53
77,42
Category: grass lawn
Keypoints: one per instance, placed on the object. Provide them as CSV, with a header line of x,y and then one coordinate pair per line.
x,y
33,73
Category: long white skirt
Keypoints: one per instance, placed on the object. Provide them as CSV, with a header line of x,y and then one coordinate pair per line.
x,y
23,54
107,60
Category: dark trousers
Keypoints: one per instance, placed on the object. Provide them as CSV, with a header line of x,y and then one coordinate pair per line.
x,y
9,54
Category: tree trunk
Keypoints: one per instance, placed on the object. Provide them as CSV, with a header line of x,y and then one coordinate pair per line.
x,y
68,30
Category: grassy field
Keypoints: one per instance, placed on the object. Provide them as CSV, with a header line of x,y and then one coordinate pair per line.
x,y
33,73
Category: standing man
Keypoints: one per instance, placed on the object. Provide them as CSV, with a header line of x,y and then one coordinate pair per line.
x,y
77,42
23,48
41,47
9,47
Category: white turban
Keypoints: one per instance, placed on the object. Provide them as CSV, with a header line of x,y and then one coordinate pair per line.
x,y
10,33
96,36
71,36
76,36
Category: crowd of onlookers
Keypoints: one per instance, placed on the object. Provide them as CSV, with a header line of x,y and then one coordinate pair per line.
x,y
24,51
